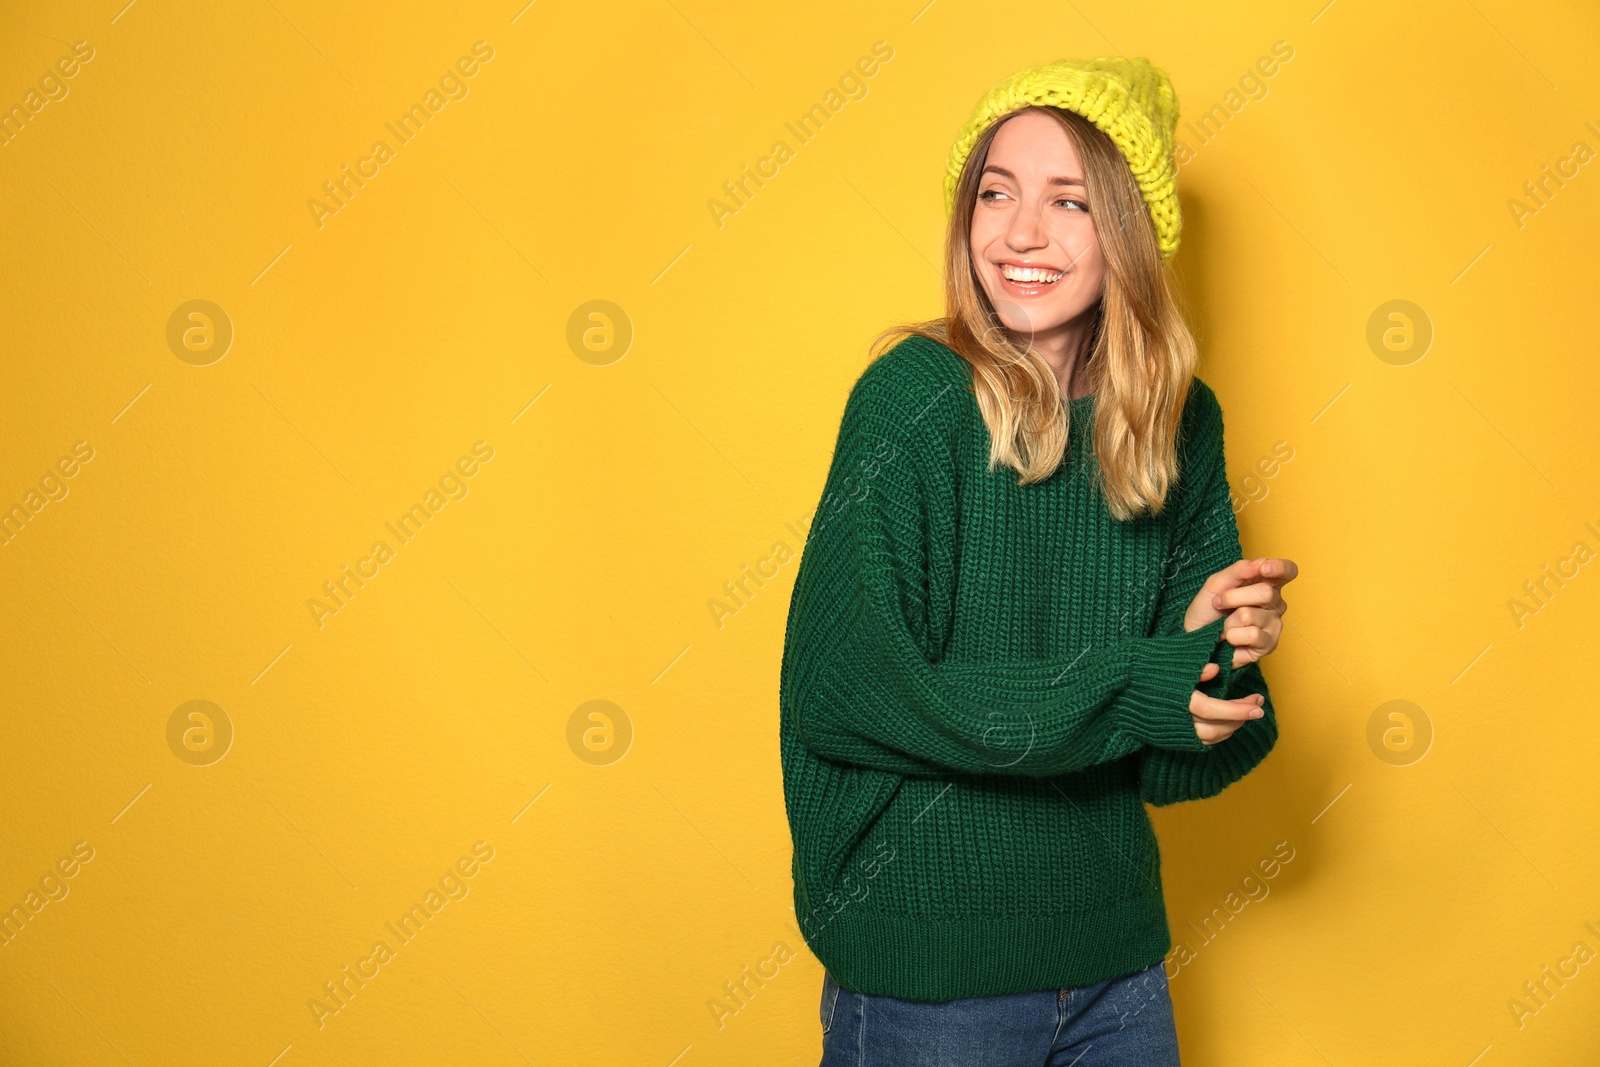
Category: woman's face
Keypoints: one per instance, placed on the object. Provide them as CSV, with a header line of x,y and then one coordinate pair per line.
x,y
1034,246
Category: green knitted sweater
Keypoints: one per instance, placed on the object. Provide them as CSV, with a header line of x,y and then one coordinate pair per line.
x,y
982,683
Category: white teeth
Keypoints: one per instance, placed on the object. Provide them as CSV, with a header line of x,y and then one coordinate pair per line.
x,y
1029,274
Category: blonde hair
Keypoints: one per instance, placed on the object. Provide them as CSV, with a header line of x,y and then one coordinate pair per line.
x,y
1142,355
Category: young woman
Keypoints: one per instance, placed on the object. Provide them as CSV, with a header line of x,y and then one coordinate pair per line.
x,y
1022,614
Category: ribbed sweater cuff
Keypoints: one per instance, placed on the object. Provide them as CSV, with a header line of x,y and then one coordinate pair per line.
x,y
1166,670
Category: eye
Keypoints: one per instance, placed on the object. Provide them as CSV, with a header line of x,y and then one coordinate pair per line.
x,y
989,195
1075,203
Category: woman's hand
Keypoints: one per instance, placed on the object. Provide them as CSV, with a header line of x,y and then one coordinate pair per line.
x,y
1215,719
1249,594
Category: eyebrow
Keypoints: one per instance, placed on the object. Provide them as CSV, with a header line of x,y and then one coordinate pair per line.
x,y
1053,181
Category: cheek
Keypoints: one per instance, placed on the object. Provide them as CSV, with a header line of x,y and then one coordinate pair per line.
x,y
979,239
1083,295
980,244
1079,240
1093,272
1083,251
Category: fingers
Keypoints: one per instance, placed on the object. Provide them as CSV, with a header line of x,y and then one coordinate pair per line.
x,y
1271,568
1240,572
1253,629
1255,583
1212,735
1258,594
1249,615
1259,603
1250,636
1267,571
1216,720
1279,570
1242,657
1222,712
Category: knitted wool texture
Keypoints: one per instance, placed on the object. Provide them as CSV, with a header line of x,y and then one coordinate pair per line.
x,y
1129,99
981,685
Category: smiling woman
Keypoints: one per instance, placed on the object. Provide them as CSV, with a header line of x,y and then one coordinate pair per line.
x,y
1024,614
1046,195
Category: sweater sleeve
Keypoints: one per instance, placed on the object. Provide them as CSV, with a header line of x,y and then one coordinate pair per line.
x,y
1206,541
862,673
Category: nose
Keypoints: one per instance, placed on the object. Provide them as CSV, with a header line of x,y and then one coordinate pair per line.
x,y
1026,229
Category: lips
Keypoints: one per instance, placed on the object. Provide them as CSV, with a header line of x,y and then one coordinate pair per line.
x,y
1024,279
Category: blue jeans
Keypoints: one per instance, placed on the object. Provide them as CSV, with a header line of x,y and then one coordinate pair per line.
x,y
1117,1023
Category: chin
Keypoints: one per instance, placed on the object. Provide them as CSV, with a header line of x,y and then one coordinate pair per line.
x,y
1026,319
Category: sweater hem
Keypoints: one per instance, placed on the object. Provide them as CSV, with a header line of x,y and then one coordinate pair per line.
x,y
914,958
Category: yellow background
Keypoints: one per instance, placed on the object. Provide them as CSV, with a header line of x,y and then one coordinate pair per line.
x,y
369,354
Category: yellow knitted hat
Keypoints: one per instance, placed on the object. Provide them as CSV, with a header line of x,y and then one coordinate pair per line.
x,y
1129,99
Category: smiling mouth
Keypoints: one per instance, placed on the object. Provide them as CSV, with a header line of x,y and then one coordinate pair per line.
x,y
1028,281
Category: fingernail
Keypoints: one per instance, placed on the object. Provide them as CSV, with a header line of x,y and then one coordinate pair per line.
x,y
1257,713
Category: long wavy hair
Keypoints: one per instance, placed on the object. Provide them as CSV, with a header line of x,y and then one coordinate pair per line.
x,y
1142,354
